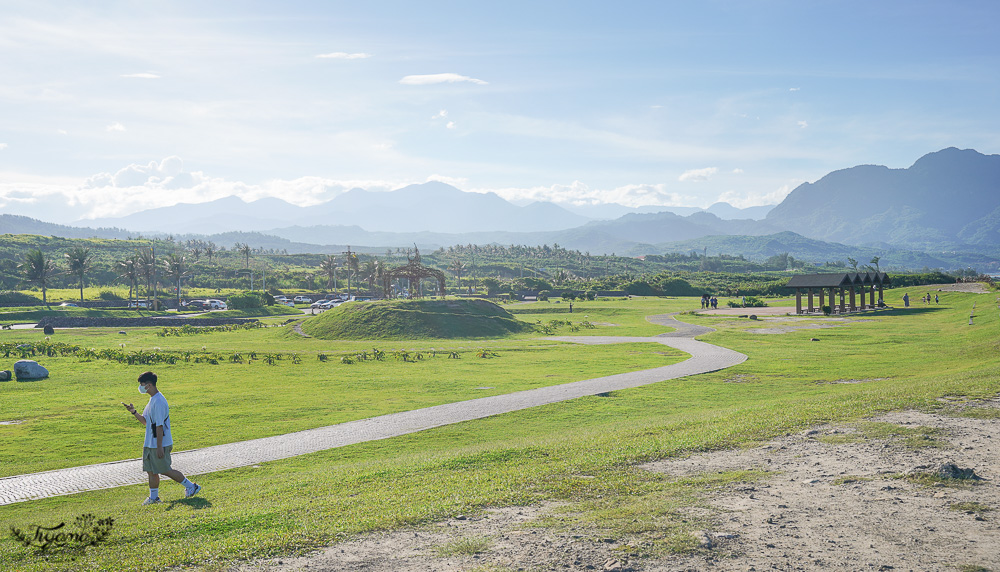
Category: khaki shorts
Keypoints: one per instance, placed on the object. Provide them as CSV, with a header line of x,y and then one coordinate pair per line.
x,y
152,464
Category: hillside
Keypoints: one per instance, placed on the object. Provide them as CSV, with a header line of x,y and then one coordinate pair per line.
x,y
414,319
946,198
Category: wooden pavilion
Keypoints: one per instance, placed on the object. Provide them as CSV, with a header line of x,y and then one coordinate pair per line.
x,y
843,292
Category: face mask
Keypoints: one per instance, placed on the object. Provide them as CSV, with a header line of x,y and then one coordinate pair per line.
x,y
142,389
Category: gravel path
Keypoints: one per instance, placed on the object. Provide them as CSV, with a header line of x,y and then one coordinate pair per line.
x,y
704,358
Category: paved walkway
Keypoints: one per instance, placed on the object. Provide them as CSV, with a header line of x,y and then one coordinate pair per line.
x,y
704,358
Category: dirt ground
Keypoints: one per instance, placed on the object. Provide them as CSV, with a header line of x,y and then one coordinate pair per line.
x,y
833,500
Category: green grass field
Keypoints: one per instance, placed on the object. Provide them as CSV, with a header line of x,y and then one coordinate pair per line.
x,y
582,451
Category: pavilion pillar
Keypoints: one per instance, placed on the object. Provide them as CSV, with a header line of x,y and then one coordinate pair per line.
x,y
853,305
821,292
843,308
871,297
798,300
811,308
881,300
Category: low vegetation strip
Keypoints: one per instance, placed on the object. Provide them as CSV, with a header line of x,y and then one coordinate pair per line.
x,y
413,320
73,322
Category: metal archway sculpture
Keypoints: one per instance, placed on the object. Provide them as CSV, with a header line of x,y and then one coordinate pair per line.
x,y
413,271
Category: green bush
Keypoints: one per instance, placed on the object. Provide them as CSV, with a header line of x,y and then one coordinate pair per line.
x,y
591,294
245,300
677,287
109,295
543,295
567,295
641,288
17,298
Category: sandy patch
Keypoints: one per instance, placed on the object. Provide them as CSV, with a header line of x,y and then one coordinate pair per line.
x,y
826,506
836,507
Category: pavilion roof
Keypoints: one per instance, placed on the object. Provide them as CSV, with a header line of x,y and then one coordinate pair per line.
x,y
837,280
820,280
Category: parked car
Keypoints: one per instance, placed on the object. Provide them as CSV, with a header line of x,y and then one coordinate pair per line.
x,y
281,298
137,304
303,299
69,305
216,304
197,305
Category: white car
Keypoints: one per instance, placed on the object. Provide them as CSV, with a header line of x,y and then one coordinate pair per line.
x,y
216,304
303,299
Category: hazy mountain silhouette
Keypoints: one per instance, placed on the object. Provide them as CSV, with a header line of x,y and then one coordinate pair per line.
x,y
947,198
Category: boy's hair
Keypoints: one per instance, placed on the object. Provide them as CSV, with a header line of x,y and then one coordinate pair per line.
x,y
148,377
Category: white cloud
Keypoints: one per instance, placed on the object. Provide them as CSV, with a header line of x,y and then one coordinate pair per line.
x,y
744,200
698,175
441,114
439,78
803,124
116,126
737,171
142,75
457,182
795,89
62,132
580,194
450,125
344,56
3,146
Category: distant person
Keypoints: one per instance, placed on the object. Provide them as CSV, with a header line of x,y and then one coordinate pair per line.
x,y
715,303
159,442
936,299
906,300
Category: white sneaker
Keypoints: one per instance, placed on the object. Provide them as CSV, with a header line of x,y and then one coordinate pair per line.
x,y
188,493
151,501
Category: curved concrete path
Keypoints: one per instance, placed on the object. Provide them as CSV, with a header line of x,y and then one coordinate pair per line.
x,y
704,358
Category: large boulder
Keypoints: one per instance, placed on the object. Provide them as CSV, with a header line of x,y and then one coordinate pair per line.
x,y
27,369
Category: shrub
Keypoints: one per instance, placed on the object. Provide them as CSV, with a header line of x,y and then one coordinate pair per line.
x,y
640,288
17,298
568,295
543,295
109,295
591,294
245,300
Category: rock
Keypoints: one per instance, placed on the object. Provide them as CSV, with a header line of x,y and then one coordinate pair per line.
x,y
952,471
27,369
48,330
753,316
122,332
813,339
5,375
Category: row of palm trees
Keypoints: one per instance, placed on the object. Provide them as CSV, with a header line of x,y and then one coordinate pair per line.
x,y
39,269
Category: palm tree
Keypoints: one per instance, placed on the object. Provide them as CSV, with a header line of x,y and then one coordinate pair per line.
x,y
128,269
457,267
146,267
245,250
328,266
78,260
39,269
352,266
370,273
209,251
173,267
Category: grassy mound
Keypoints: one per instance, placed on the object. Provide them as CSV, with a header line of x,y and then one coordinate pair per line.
x,y
412,319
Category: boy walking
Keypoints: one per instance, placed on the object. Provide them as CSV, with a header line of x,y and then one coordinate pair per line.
x,y
159,442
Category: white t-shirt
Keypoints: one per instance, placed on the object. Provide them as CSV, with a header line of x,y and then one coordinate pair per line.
x,y
157,413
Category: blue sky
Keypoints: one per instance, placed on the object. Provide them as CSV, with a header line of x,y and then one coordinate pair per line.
x,y
111,107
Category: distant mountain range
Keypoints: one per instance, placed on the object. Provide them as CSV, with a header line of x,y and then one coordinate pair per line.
x,y
429,207
944,210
